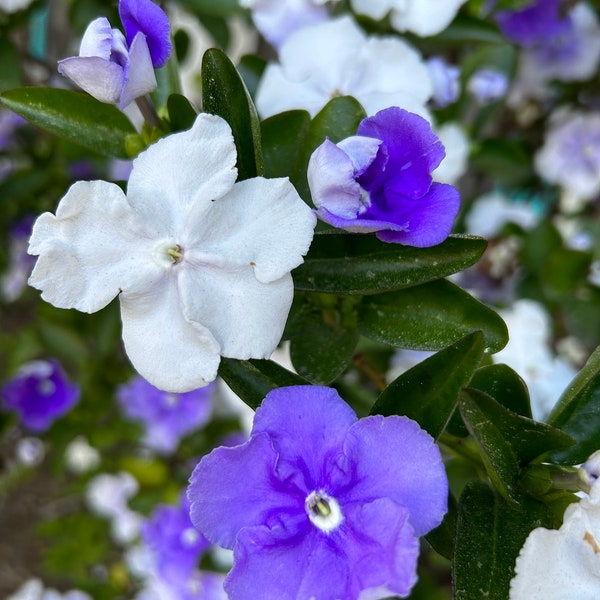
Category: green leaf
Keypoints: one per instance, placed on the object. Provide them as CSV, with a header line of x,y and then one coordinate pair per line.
x,y
217,8
504,385
429,317
181,113
443,536
11,75
338,119
281,136
429,391
506,162
466,29
224,93
252,380
489,536
73,115
251,68
342,263
578,413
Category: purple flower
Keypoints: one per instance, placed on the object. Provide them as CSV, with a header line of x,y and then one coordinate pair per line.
x,y
166,417
309,507
380,181
537,23
14,280
40,393
445,78
488,85
175,544
118,69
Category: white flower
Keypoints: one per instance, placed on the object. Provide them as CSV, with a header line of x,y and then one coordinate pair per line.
x,y
80,457
12,6
562,564
457,145
335,58
201,263
423,17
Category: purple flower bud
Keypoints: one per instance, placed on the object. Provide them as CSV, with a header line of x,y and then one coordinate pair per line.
x,y
380,181
166,417
39,393
445,81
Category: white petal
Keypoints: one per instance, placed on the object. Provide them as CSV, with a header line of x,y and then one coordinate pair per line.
x,y
100,78
171,352
425,17
262,224
91,250
246,316
183,170
376,9
140,73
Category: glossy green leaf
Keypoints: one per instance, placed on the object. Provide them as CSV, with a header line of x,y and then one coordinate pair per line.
x,y
429,317
181,113
73,115
489,535
500,460
338,119
361,264
253,379
578,413
281,137
504,385
224,93
429,391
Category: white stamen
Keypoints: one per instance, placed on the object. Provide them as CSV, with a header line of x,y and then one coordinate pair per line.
x,y
323,511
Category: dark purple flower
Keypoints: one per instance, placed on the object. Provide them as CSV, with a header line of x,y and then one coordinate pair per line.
x,y
115,69
166,417
175,544
538,23
380,181
309,507
40,393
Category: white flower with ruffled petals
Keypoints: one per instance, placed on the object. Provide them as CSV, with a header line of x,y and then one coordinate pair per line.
x,y
201,263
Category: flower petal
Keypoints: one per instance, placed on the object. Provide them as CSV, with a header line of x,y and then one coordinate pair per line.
x,y
429,218
260,222
146,17
307,425
181,171
97,39
100,78
90,251
173,353
224,498
246,317
411,472
140,78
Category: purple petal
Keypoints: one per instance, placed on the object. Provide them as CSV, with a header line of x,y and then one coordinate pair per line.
x,y
361,151
394,458
97,39
414,151
234,488
429,218
151,20
307,426
360,224
331,181
98,77
139,75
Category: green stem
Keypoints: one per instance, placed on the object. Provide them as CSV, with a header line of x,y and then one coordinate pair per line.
x,y
148,111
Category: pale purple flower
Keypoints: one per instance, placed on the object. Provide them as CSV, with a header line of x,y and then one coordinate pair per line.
x,y
445,79
20,264
277,19
310,509
488,85
336,58
570,155
201,263
117,68
39,393
380,181
166,417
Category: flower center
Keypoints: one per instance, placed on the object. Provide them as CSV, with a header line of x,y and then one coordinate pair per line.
x,y
323,511
168,253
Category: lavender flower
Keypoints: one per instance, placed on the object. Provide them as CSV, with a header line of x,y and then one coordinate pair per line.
x,y
115,68
445,79
166,417
40,394
310,509
380,181
14,280
488,85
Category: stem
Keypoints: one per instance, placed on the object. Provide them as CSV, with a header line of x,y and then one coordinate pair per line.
x,y
148,111
377,378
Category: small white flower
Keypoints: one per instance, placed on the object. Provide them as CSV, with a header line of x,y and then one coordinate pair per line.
x,y
201,263
80,457
336,58
423,17
563,563
12,6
